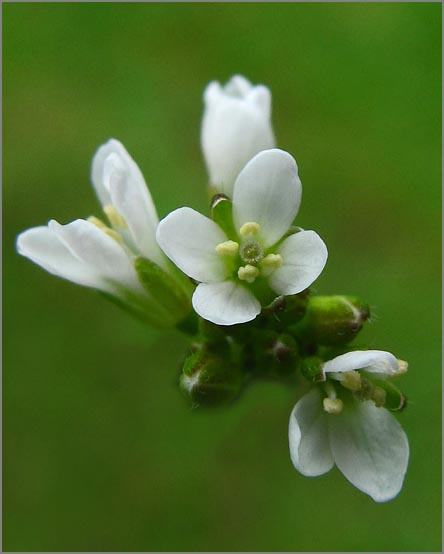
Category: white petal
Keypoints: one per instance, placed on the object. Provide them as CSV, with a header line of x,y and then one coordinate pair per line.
x,y
45,248
260,96
373,361
308,435
238,86
98,252
118,181
370,448
268,191
212,93
189,239
225,303
304,256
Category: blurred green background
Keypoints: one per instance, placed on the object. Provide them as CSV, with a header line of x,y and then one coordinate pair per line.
x,y
101,452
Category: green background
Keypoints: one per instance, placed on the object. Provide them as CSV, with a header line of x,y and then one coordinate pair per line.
x,y
101,452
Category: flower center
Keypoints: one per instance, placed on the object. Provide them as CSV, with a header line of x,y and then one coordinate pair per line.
x,y
254,262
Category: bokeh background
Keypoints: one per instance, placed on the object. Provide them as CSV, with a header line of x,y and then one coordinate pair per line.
x,y
101,452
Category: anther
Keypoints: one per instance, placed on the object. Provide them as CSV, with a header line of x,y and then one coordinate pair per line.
x,y
270,263
248,273
402,367
103,227
227,248
249,228
114,217
351,380
333,405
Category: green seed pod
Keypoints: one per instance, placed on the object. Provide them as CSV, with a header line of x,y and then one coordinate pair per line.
x,y
332,320
208,379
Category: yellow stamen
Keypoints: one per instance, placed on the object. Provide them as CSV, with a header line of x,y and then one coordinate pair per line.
x,y
351,380
227,248
270,263
103,227
114,217
249,228
333,405
248,273
402,367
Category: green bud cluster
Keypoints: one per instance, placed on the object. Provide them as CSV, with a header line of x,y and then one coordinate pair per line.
x,y
293,336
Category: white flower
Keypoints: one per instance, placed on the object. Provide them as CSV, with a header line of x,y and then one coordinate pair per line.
x,y
92,254
126,200
266,198
365,442
236,125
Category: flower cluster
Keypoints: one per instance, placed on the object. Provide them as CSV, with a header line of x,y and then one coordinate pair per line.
x,y
239,282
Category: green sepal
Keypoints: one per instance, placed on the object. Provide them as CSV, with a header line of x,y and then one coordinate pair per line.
x,y
311,369
332,320
286,310
222,214
147,314
163,289
208,379
395,401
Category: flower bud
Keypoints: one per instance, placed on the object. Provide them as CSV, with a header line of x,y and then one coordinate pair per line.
x,y
208,379
236,126
332,320
276,354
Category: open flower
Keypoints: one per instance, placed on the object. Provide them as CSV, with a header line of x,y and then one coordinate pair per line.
x,y
339,422
236,125
232,267
93,254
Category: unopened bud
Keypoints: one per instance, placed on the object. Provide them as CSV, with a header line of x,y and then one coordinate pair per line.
x,y
332,320
209,380
275,354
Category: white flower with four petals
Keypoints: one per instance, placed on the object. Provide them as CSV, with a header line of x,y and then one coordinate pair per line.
x,y
266,199
366,442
